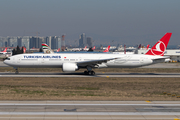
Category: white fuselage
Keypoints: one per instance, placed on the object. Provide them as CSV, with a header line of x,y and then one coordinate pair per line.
x,y
3,53
56,60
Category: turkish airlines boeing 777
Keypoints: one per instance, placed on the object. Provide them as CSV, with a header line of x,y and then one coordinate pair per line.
x,y
70,62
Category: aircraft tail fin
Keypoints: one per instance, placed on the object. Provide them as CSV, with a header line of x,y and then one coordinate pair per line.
x,y
46,49
147,47
107,49
5,50
94,48
160,47
58,49
85,48
24,50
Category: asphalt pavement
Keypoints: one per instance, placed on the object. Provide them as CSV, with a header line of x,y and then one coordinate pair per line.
x,y
89,110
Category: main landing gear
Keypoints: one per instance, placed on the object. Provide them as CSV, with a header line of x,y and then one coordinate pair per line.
x,y
89,71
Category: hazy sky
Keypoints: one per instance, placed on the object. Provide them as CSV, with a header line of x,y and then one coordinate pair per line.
x,y
128,22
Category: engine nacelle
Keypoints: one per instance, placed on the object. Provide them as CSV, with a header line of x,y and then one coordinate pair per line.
x,y
69,67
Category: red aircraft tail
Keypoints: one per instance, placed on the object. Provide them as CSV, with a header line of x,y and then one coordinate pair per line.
x,y
5,50
24,50
147,47
58,49
160,47
94,48
107,49
85,47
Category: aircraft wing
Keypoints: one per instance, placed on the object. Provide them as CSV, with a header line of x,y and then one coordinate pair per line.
x,y
160,59
93,62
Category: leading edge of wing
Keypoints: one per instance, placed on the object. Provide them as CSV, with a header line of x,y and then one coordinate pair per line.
x,y
94,62
161,57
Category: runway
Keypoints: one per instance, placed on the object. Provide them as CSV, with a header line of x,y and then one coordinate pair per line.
x,y
89,110
80,74
159,65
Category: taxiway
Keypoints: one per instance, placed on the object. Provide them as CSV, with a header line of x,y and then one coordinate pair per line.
x,y
159,65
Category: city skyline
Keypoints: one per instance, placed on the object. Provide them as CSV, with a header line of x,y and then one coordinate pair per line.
x,y
121,21
29,42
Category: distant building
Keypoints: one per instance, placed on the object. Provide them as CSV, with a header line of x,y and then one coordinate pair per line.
x,y
48,41
82,40
89,41
59,43
40,40
54,42
19,41
35,42
12,41
26,42
3,42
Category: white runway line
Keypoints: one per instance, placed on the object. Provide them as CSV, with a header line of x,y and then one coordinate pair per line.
x,y
91,104
89,113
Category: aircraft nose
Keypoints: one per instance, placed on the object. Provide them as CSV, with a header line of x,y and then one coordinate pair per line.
x,y
5,62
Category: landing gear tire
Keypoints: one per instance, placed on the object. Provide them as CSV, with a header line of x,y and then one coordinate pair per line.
x,y
92,73
86,72
89,72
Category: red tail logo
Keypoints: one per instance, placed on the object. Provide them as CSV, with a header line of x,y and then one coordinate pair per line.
x,y
160,47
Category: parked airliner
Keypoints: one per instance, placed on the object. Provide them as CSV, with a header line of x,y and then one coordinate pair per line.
x,y
71,62
4,51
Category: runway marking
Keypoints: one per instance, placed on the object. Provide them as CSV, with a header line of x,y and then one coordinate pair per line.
x,y
90,113
94,104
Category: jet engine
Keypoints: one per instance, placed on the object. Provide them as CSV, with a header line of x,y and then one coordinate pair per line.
x,y
69,67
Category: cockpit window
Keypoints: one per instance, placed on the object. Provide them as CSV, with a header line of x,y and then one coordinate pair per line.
x,y
8,59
